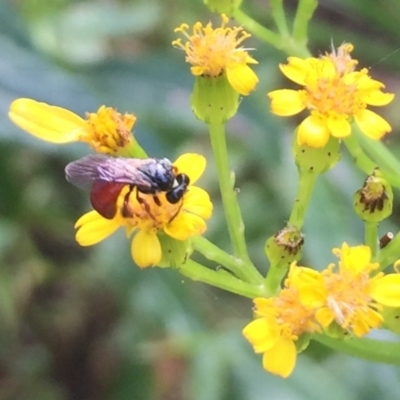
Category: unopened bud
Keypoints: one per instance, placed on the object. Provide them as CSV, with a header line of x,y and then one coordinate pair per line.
x,y
374,201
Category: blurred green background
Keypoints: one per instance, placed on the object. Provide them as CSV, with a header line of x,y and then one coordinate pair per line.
x,y
86,323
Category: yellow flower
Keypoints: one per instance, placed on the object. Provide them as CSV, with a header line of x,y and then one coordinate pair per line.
x,y
352,294
106,131
335,94
213,52
150,216
280,322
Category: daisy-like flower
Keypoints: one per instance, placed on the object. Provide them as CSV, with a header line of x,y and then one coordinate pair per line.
x,y
106,131
351,294
279,323
213,52
335,94
151,216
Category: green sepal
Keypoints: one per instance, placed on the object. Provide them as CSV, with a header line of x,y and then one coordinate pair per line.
x,y
132,150
374,201
227,7
174,252
213,100
316,159
391,318
335,331
302,342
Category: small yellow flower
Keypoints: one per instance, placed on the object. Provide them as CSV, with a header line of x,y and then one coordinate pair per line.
x,y
352,294
106,131
213,52
279,323
335,94
150,216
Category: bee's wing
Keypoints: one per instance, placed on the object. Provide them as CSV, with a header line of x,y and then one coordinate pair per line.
x,y
98,167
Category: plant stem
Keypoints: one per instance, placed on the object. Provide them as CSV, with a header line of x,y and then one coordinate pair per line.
x,y
371,238
284,43
307,180
304,12
221,279
278,13
214,253
229,200
367,349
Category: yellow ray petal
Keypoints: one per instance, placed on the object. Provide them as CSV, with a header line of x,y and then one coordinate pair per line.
x,y
197,201
50,123
281,359
286,102
146,249
371,124
339,127
386,290
191,164
185,225
261,334
313,132
242,78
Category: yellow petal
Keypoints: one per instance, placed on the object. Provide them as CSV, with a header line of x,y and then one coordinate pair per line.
x,y
50,123
197,201
324,316
296,70
386,290
313,132
281,359
93,228
185,225
371,124
146,249
377,98
286,102
339,127
242,78
261,334
191,164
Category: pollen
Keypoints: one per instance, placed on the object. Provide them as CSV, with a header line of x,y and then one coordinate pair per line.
x,y
107,131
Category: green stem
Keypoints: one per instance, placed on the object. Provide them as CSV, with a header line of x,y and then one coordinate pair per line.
x,y
229,200
214,253
367,349
387,162
307,180
390,253
220,279
286,44
273,280
366,164
371,238
279,16
304,13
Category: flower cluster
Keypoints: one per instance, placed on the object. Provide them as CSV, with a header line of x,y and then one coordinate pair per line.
x,y
335,94
350,295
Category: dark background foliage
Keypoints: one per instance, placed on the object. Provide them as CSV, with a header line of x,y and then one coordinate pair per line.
x,y
86,323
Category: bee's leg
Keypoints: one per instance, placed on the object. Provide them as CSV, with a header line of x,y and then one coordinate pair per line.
x,y
157,200
143,202
125,211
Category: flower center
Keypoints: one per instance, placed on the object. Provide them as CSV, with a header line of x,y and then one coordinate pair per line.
x,y
149,212
210,51
333,97
348,297
107,130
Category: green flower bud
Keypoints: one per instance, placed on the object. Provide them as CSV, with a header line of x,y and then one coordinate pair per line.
x,y
223,6
374,201
175,252
213,99
284,247
316,159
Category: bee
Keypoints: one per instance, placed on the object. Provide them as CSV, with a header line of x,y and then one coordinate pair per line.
x,y
108,175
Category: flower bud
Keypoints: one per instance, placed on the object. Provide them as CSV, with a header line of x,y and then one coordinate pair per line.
x,y
285,246
374,201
